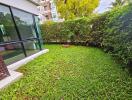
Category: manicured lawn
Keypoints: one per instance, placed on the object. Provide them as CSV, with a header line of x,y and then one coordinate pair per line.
x,y
71,73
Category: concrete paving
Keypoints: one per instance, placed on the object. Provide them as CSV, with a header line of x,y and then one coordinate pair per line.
x,y
14,76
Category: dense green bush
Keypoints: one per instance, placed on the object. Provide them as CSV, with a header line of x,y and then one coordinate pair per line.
x,y
111,31
68,31
118,34
88,31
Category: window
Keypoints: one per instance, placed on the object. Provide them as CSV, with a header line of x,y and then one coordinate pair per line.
x,y
31,47
7,28
47,17
19,34
26,26
45,8
24,23
11,53
37,23
54,16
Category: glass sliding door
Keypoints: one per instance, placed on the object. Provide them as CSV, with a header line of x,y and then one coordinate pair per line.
x,y
7,28
37,23
19,34
26,27
24,23
9,51
31,47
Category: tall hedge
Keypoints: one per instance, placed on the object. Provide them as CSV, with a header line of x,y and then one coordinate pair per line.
x,y
68,31
118,34
111,31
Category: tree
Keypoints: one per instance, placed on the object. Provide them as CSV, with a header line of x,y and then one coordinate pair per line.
x,y
119,3
70,9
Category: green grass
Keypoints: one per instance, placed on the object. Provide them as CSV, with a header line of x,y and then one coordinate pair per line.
x,y
75,73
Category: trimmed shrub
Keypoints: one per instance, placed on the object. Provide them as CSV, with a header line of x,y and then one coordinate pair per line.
x,y
69,31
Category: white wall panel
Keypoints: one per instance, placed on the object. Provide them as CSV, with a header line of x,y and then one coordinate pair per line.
x,y
22,4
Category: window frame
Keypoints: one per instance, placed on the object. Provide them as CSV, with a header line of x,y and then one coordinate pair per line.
x,y
20,40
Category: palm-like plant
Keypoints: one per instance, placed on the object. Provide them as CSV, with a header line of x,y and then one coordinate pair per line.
x,y
119,3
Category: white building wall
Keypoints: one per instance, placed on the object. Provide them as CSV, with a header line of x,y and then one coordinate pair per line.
x,y
22,4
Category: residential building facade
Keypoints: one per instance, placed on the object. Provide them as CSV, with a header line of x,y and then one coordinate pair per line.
x,y
47,10
19,32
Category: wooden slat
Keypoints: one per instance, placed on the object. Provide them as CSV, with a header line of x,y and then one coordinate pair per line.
x,y
3,69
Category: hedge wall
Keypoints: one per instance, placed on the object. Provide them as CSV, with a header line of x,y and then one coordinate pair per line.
x,y
111,31
118,34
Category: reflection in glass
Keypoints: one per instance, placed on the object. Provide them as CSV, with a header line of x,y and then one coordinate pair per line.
x,y
37,23
7,28
11,47
24,23
11,53
31,47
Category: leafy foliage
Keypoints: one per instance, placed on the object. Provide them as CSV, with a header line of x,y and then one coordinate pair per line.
x,y
118,34
83,30
119,3
111,31
76,8
73,31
